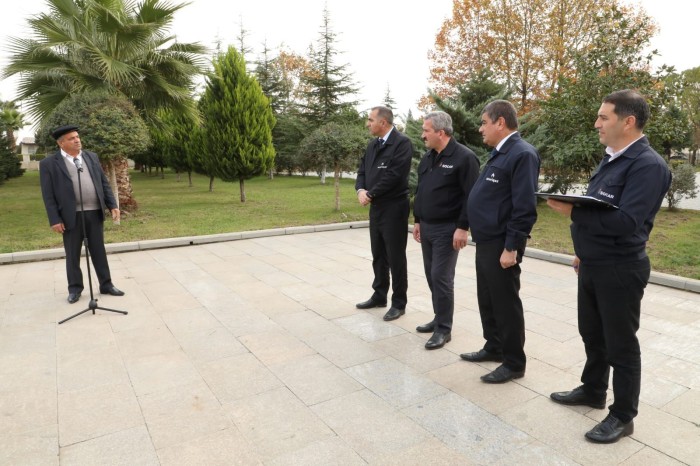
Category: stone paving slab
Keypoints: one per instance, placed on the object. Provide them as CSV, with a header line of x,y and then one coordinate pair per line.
x,y
248,349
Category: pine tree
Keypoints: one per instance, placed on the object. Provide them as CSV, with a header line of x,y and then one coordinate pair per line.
x,y
9,163
242,40
237,122
268,75
388,99
329,84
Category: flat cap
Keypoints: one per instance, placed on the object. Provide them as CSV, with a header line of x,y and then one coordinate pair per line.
x,y
61,130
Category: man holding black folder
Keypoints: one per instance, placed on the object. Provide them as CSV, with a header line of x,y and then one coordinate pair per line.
x,y
612,264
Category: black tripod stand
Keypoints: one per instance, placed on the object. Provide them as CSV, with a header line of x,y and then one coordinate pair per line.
x,y
93,302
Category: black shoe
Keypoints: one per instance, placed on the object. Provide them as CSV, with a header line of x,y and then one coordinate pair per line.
x,y
427,328
610,430
501,375
369,304
73,297
577,397
481,355
438,340
114,291
393,313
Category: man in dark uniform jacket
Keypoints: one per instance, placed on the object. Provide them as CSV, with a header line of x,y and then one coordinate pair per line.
x,y
446,175
59,188
502,210
611,261
382,183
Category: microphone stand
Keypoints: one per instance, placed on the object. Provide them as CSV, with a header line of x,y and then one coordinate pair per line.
x,y
93,302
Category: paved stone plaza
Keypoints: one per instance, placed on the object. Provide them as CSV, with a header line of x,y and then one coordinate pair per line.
x,y
252,352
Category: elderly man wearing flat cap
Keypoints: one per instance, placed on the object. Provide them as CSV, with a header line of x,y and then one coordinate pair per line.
x,y
59,188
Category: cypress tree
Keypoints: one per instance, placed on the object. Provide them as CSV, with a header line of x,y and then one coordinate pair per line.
x,y
238,122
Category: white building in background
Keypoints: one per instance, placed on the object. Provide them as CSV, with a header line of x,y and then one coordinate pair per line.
x,y
27,148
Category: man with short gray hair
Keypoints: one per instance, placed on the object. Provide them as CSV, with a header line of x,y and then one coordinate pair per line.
x,y
446,174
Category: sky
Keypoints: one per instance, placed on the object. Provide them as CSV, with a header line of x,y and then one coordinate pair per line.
x,y
385,44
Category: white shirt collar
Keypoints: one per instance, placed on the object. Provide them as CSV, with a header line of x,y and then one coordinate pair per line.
x,y
66,154
386,136
503,141
613,155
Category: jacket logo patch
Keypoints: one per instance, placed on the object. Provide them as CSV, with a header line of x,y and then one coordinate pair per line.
x,y
446,166
608,195
492,178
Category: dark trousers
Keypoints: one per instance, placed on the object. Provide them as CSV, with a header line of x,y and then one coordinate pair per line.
x,y
439,261
609,303
498,294
388,233
73,243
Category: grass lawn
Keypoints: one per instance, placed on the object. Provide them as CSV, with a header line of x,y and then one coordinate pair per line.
x,y
168,208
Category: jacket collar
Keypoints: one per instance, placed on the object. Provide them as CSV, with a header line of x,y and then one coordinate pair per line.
x,y
510,142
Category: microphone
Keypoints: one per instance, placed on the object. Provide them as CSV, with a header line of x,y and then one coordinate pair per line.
x,y
78,163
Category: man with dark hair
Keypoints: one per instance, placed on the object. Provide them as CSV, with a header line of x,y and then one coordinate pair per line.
x,y
446,175
502,210
611,262
382,183
59,187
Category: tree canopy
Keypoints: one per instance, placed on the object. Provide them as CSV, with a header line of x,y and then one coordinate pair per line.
x,y
527,44
563,128
121,47
237,122
336,145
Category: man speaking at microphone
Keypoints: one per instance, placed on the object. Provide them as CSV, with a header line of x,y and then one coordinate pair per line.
x,y
60,190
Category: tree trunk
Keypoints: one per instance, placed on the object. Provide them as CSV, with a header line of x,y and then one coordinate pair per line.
x,y
241,184
117,172
177,172
323,174
337,187
111,173
11,139
162,173
189,175
211,184
123,182
271,175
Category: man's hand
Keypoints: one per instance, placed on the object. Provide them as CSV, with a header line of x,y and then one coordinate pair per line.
x,y
509,258
563,208
459,239
116,215
363,197
58,228
416,232
575,264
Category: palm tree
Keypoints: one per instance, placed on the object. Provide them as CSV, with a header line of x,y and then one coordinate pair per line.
x,y
11,120
117,46
113,45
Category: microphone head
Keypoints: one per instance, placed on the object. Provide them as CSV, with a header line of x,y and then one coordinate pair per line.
x,y
78,163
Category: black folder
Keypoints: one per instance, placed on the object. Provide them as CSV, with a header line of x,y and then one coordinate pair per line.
x,y
577,200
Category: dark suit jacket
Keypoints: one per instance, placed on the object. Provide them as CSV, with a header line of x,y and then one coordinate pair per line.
x,y
57,188
384,170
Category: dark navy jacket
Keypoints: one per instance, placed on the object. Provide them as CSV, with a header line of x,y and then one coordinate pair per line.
x,y
636,183
502,204
384,169
57,188
443,187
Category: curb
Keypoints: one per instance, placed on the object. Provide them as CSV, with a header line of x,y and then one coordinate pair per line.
x,y
657,278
